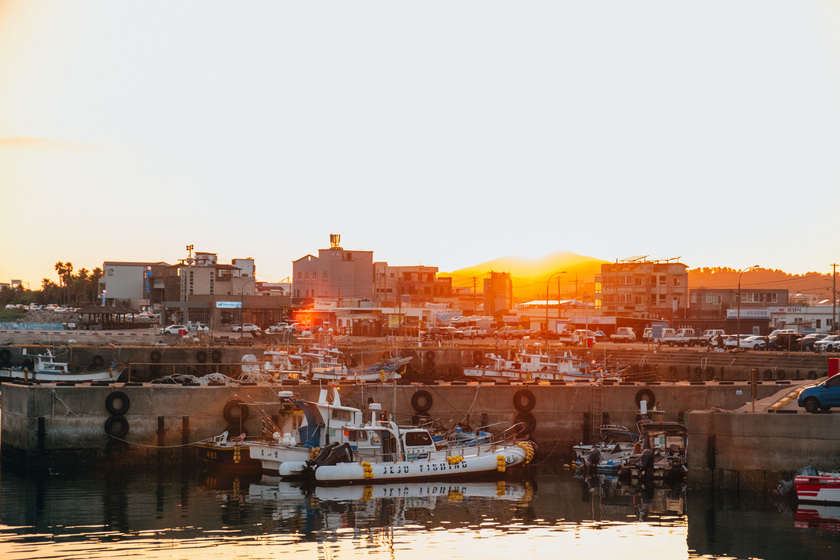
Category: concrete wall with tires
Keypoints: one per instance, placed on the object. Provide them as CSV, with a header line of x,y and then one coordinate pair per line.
x,y
732,450
88,420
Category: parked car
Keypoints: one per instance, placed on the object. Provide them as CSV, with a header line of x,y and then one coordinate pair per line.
x,y
247,327
809,340
754,342
472,332
175,329
280,328
730,342
509,331
826,343
788,341
822,396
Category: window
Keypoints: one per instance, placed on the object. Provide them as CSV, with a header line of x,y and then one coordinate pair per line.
x,y
324,275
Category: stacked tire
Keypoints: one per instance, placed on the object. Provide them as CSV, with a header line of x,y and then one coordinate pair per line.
x,y
117,404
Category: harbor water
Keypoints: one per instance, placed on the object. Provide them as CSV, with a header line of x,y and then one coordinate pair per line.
x,y
177,513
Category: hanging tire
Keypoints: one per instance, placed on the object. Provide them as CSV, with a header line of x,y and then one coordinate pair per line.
x,y
234,412
421,401
478,357
781,374
524,400
116,426
645,395
97,361
117,403
155,355
201,356
216,356
812,374
529,423
28,364
5,356
768,374
430,356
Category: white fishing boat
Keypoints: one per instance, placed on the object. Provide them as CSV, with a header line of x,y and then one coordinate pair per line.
x,y
323,422
382,451
44,368
328,364
537,366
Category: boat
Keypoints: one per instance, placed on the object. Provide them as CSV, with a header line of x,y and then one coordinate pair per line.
x,y
317,363
537,366
606,456
44,368
327,364
662,456
224,451
382,451
813,486
322,423
228,452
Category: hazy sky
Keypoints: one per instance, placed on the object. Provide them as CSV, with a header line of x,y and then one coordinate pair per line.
x,y
442,133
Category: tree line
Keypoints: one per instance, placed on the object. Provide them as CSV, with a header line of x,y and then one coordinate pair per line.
x,y
79,288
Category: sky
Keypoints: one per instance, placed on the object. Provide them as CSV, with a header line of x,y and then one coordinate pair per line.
x,y
438,133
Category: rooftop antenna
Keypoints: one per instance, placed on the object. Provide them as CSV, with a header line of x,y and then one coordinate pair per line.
x,y
189,252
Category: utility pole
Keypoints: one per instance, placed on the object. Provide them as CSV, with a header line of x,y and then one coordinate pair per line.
x,y
834,298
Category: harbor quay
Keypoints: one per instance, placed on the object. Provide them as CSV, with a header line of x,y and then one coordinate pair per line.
x,y
58,426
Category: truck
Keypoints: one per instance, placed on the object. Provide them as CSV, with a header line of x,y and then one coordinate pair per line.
x,y
623,334
680,337
710,335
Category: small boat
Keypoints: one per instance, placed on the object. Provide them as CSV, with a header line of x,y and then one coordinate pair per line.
x,y
44,368
327,364
606,457
233,452
817,486
820,517
537,366
382,451
662,456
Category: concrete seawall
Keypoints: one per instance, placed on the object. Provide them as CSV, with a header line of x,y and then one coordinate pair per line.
x,y
54,424
735,450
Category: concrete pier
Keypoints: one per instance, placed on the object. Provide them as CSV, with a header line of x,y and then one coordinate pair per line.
x,y
54,424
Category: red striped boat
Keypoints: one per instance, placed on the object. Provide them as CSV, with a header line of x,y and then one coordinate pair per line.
x,y
817,486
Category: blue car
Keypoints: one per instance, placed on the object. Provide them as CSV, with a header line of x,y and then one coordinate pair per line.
x,y
822,396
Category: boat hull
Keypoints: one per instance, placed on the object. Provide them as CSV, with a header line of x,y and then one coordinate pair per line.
x,y
491,463
823,488
19,374
271,456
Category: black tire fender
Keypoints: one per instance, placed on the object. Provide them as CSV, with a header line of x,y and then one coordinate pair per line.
x,y
234,412
478,356
117,403
216,356
524,400
529,423
116,426
645,395
155,355
5,356
201,356
812,374
97,361
430,356
421,401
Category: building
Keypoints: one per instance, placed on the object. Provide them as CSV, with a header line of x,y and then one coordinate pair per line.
x,y
643,289
404,284
498,294
715,303
138,284
335,274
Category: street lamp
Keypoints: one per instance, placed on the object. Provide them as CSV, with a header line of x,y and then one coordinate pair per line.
x,y
547,282
738,319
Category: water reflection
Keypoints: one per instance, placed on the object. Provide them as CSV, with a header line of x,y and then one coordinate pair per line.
x,y
146,514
